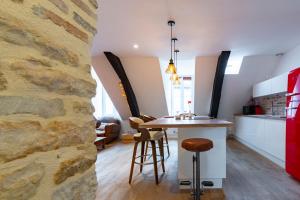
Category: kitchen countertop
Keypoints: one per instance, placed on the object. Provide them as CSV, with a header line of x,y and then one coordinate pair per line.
x,y
173,123
275,117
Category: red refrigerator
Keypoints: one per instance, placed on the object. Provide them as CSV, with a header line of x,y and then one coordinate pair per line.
x,y
293,124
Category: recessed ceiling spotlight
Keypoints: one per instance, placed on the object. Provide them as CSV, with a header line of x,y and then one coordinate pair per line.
x,y
135,46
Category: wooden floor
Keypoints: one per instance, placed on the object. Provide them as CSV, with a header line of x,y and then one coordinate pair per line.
x,y
249,177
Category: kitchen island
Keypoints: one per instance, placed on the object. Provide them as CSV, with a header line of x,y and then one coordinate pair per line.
x,y
213,162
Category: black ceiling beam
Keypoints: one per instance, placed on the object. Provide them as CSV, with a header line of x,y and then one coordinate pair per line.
x,y
119,69
218,84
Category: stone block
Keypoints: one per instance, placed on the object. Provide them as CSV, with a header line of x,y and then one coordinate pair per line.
x,y
82,107
10,105
82,188
71,167
39,61
85,8
12,31
70,133
61,5
84,24
20,182
19,139
47,14
55,81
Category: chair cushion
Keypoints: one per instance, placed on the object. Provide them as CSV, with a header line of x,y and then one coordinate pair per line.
x,y
99,131
154,135
197,144
136,120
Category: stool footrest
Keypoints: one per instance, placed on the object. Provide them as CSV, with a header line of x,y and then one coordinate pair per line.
x,y
146,163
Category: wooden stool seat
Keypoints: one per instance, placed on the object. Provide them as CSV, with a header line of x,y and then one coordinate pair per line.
x,y
197,144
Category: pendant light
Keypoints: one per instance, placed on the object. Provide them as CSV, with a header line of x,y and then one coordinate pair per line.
x,y
177,79
174,76
171,67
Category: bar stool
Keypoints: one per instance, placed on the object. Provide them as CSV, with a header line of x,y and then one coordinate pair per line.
x,y
147,118
143,136
197,145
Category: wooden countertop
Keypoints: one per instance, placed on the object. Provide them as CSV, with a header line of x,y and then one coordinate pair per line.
x,y
172,123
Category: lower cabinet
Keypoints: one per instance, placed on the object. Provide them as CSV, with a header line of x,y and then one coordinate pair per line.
x,y
266,136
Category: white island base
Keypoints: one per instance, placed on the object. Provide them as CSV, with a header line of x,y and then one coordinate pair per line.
x,y
212,162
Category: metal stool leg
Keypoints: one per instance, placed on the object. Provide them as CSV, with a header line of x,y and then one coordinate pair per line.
x,y
198,192
194,180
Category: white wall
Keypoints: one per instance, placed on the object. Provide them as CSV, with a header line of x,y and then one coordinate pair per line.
x,y
205,69
289,61
145,77
237,89
110,82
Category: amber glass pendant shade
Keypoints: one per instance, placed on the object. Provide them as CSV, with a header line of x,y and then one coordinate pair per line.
x,y
177,81
174,77
171,68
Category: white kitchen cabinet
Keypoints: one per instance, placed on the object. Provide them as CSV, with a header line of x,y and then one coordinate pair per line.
x,y
266,136
275,133
242,128
275,85
279,83
249,129
262,89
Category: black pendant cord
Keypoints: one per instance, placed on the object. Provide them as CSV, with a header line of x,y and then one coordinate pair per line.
x,y
171,40
176,57
174,50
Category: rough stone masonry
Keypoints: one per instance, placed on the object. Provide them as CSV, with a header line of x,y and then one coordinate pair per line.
x,y
46,124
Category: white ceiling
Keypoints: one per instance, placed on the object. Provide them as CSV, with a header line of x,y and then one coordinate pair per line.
x,y
203,27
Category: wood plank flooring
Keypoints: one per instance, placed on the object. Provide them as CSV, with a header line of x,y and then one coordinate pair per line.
x,y
250,177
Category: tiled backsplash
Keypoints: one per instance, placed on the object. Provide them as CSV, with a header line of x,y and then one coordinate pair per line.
x,y
279,101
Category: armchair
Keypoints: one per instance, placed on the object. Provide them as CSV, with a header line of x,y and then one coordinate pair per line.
x,y
108,127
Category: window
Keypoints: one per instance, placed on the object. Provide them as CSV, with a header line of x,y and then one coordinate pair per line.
x,y
181,95
177,97
102,102
234,65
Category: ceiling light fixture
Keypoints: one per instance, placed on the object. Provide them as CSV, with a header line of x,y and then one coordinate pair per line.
x,y
135,46
171,67
174,75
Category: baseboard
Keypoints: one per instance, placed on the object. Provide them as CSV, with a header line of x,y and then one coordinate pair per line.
x,y
272,158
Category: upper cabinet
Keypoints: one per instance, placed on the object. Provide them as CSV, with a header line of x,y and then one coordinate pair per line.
x,y
274,85
262,89
279,83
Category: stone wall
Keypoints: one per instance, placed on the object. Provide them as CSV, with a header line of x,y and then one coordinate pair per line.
x,y
46,124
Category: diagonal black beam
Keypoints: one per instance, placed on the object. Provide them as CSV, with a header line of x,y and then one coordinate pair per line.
x,y
118,67
218,83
